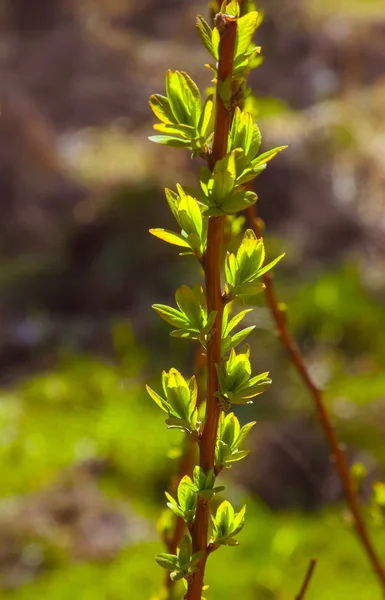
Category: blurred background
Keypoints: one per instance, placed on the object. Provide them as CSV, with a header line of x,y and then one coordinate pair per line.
x,y
84,453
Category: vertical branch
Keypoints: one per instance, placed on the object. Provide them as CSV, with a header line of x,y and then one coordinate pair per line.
x,y
227,27
338,454
306,581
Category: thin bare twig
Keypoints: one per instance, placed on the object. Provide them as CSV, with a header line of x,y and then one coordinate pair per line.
x,y
306,581
338,454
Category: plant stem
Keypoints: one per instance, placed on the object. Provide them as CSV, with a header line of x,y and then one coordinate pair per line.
x,y
306,581
227,27
298,361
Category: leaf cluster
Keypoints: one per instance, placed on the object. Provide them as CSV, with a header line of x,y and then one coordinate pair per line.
x,y
230,439
202,484
186,502
183,119
245,138
227,524
190,318
231,341
236,385
183,563
222,192
179,401
244,269
246,56
188,214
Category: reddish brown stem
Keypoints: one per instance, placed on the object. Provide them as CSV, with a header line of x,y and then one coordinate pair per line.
x,y
338,454
306,581
227,27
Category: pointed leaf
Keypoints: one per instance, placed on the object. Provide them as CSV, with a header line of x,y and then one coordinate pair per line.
x,y
206,114
171,315
270,265
246,28
245,430
161,108
167,561
186,131
239,337
168,140
171,237
157,399
267,156
205,34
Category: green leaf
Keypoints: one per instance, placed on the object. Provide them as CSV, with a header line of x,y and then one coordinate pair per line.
x,y
236,320
231,269
243,271
171,499
244,432
203,483
192,303
188,334
210,321
184,551
173,201
232,8
238,201
227,524
235,381
183,491
167,561
238,338
225,515
223,179
190,216
246,28
171,315
169,140
186,131
249,174
205,34
157,399
255,143
244,135
249,292
215,38
270,265
230,438
238,521
169,236
228,541
236,456
206,114
160,106
225,91
191,318
184,98
180,402
267,156
230,429
250,257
